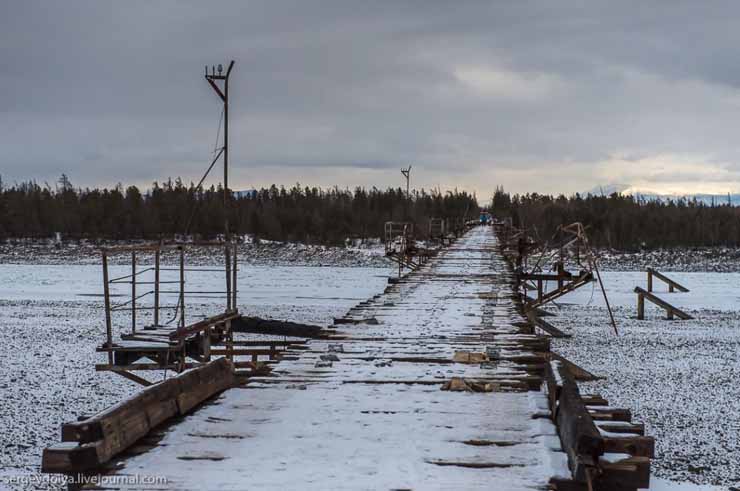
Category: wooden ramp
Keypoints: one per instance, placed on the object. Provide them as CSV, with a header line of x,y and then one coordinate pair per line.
x,y
438,383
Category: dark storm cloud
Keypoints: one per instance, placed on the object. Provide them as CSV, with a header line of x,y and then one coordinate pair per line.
x,y
547,96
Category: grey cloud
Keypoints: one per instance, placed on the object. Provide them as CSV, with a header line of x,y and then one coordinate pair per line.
x,y
345,92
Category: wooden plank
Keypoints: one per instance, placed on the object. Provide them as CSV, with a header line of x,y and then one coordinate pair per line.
x,y
253,351
277,327
579,374
579,436
621,427
565,275
268,342
545,326
637,445
90,443
576,283
201,325
134,378
594,400
623,474
610,414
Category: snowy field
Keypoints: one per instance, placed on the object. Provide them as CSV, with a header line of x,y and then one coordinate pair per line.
x,y
679,377
51,320
370,253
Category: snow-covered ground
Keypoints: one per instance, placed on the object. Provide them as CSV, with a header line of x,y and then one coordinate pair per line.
x,y
373,418
679,377
262,253
51,321
700,259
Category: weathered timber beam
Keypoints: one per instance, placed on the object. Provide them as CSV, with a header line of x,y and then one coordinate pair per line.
x,y
579,436
277,327
672,284
670,309
90,443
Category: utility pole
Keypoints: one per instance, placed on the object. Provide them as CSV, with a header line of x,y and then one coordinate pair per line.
x,y
407,174
213,79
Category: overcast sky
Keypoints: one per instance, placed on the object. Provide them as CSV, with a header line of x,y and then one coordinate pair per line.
x,y
535,96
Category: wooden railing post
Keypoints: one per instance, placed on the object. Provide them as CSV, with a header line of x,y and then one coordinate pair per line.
x,y
227,255
182,287
133,292
640,306
106,298
156,288
229,340
539,290
650,281
234,289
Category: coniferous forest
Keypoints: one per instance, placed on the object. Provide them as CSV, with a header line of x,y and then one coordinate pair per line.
x,y
625,222
312,215
329,216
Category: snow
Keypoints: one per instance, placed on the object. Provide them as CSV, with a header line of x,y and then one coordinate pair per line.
x,y
712,291
678,377
30,252
51,320
657,484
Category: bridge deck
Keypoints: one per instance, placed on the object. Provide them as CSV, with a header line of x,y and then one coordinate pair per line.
x,y
376,418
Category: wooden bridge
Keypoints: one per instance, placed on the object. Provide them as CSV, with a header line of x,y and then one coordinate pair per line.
x,y
437,383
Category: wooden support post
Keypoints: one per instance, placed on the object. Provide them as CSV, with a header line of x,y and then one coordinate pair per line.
x,y
134,378
640,306
206,344
650,281
227,255
106,297
182,287
133,292
561,273
234,289
524,286
539,290
156,288
229,340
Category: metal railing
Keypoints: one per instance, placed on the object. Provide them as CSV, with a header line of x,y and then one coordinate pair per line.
x,y
153,288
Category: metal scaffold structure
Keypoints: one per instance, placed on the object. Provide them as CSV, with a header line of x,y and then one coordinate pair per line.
x,y
569,244
157,333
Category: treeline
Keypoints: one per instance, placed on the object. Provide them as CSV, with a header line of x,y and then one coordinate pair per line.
x,y
312,215
625,222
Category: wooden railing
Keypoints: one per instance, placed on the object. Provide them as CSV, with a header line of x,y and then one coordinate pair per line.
x,y
605,450
90,443
670,310
672,284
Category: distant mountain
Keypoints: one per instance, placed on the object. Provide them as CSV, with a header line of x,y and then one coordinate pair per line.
x,y
626,189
